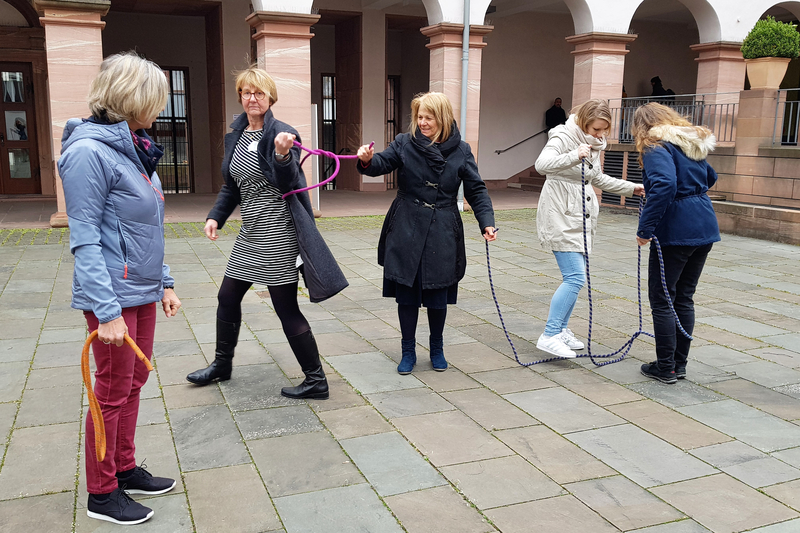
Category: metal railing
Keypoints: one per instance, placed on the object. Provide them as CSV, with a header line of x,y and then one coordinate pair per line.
x,y
498,152
787,114
716,111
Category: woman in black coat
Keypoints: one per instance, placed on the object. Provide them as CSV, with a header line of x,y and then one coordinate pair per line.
x,y
421,247
260,165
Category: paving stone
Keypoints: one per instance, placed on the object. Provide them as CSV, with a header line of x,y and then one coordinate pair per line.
x,y
374,329
679,395
13,350
408,402
564,514
438,509
703,374
791,456
59,335
255,387
787,493
12,380
562,410
747,464
8,411
154,446
517,379
727,338
624,372
232,498
341,343
61,376
40,460
593,387
442,437
477,357
718,356
51,513
151,388
189,395
489,410
781,356
631,451
151,411
354,422
451,380
171,515
623,503
790,526
352,509
276,422
742,326
372,372
174,348
753,427
206,437
342,395
391,464
681,526
499,482
789,390
722,503
665,423
766,373
790,341
302,463
761,398
554,455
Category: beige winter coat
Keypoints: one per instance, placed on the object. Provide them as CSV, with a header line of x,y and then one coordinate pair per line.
x,y
559,219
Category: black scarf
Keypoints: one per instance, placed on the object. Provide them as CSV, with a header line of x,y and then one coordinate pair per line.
x,y
148,152
435,153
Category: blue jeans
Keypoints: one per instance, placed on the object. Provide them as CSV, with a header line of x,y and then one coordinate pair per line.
x,y
573,272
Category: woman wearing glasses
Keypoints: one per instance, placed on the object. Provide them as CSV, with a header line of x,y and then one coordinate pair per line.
x,y
260,165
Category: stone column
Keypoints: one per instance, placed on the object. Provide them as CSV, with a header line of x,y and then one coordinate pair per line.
x,y
284,51
445,75
73,41
720,69
755,123
599,65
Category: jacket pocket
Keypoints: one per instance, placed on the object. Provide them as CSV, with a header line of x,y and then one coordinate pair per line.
x,y
123,248
143,250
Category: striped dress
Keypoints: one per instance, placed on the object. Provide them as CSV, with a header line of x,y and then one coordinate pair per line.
x,y
266,250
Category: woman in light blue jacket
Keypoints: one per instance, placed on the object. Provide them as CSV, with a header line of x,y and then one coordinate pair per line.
x,y
115,206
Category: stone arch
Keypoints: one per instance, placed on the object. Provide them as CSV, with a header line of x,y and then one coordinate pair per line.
x,y
453,12
26,10
295,6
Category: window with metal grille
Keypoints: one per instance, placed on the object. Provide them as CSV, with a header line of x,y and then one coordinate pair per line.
x,y
392,120
328,126
613,165
172,131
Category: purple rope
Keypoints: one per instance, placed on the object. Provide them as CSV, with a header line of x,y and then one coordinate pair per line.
x,y
335,157
626,347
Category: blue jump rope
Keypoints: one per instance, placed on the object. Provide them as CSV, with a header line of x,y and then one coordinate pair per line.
x,y
626,347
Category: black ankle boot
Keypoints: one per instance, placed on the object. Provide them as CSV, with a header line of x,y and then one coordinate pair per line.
x,y
222,365
315,386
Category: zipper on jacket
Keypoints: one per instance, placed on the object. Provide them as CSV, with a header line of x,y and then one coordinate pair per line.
x,y
124,249
153,186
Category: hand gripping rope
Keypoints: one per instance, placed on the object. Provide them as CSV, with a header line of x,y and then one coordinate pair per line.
x,y
94,407
629,343
335,157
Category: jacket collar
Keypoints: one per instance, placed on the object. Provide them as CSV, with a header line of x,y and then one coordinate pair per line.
x,y
694,141
241,122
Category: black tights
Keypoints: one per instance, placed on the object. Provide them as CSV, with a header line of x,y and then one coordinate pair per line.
x,y
284,300
409,314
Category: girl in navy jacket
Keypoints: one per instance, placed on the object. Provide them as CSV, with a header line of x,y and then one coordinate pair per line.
x,y
680,215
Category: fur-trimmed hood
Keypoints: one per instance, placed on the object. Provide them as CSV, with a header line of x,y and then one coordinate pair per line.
x,y
696,142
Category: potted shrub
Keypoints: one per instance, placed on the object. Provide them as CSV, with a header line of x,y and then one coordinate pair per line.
x,y
767,50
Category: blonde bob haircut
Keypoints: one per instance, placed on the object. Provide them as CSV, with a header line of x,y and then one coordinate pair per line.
x,y
591,110
653,114
438,105
128,88
258,79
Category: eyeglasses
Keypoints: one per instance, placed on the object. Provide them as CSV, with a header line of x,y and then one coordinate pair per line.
x,y
247,94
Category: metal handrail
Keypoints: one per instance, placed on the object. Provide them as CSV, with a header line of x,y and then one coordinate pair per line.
x,y
789,119
498,152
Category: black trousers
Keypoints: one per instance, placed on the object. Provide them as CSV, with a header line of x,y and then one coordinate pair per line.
x,y
682,268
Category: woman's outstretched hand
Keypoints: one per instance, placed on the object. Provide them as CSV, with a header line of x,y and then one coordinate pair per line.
x,y
284,142
638,190
642,242
490,233
365,154
211,229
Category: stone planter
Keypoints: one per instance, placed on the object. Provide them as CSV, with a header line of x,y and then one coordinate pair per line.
x,y
766,72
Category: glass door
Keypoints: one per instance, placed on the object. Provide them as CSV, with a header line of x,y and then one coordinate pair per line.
x,y
19,157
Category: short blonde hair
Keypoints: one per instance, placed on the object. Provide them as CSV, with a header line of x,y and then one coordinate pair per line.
x,y
591,110
128,88
440,107
257,78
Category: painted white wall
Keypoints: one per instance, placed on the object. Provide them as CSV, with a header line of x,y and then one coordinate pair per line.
x,y
284,6
453,11
526,65
173,41
236,49
662,49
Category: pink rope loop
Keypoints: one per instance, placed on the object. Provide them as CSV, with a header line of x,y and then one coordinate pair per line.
x,y
335,157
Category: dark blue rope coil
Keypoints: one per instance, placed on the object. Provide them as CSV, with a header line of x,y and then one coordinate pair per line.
x,y
626,347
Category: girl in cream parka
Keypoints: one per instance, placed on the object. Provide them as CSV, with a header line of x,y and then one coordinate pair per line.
x,y
560,216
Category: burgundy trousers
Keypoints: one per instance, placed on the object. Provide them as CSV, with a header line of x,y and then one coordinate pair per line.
x,y
118,382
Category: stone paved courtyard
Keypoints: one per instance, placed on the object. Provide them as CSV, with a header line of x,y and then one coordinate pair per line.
x,y
487,446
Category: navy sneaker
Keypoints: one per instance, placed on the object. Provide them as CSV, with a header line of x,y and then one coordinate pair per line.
x,y
680,372
664,376
140,481
118,508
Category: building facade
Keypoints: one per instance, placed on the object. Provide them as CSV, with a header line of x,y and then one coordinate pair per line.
x,y
359,62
